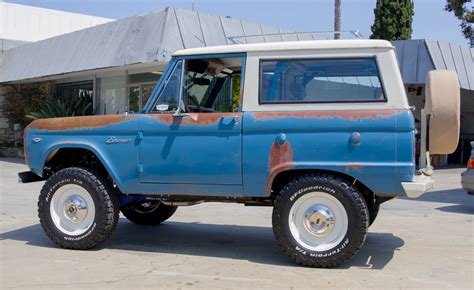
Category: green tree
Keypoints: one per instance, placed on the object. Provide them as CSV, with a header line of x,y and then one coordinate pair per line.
x,y
463,13
393,20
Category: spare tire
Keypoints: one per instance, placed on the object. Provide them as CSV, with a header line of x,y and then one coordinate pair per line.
x,y
443,105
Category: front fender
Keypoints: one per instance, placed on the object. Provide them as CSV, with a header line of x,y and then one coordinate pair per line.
x,y
49,152
118,159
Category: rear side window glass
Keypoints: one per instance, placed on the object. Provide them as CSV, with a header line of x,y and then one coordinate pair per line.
x,y
320,81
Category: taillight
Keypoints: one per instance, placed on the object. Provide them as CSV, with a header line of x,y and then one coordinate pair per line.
x,y
470,164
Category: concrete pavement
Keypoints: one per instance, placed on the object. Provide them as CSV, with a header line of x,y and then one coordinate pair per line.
x,y
426,242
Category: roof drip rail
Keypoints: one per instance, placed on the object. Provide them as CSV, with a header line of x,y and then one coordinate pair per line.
x,y
356,34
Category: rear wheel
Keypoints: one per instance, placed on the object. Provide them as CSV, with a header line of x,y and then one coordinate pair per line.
x,y
147,212
320,220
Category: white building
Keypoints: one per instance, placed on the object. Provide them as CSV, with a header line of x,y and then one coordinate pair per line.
x,y
20,24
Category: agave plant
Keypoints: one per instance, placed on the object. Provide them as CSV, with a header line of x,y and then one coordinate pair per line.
x,y
52,107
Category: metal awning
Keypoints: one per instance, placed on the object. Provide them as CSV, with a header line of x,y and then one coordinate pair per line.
x,y
417,57
139,39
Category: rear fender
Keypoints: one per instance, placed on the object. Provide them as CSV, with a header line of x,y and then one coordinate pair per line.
x,y
372,175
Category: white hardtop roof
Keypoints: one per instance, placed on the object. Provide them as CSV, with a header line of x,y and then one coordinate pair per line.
x,y
288,45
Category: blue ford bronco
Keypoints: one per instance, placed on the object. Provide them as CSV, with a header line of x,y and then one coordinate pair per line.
x,y
320,130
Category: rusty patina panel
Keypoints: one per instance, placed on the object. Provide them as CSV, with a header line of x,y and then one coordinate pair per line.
x,y
76,123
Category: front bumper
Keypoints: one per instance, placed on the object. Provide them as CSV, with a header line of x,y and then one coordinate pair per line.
x,y
28,176
419,185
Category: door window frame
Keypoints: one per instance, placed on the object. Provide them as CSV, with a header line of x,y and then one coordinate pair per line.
x,y
163,81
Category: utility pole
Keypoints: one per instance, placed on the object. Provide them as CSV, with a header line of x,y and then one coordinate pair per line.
x,y
193,5
337,18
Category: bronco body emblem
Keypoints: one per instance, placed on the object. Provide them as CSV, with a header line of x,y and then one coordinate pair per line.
x,y
115,140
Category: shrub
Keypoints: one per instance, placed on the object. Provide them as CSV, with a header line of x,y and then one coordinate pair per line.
x,y
20,100
52,107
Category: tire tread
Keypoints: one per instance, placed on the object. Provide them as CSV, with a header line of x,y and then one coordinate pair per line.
x,y
309,180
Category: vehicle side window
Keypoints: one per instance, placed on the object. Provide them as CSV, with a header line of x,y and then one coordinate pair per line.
x,y
320,81
168,100
212,85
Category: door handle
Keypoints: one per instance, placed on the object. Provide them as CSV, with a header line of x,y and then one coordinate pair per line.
x,y
180,115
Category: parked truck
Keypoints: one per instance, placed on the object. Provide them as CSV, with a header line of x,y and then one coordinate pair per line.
x,y
320,130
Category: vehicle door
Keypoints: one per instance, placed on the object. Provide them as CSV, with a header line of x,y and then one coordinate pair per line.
x,y
193,132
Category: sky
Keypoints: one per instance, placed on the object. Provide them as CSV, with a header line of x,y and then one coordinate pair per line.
x,y
430,20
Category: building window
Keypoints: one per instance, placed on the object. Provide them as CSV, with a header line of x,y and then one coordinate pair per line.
x,y
320,81
140,88
68,90
113,94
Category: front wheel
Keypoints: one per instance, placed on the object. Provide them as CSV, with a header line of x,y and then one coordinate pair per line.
x,y
320,220
147,212
77,209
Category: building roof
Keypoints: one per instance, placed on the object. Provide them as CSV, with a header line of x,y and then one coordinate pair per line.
x,y
417,57
291,45
6,44
138,39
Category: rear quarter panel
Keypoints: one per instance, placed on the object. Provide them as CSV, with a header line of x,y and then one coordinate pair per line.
x,y
318,135
322,140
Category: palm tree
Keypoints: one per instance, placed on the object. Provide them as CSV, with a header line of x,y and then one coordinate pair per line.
x,y
337,18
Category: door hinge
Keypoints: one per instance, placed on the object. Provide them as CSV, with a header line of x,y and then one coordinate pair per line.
x,y
140,168
139,136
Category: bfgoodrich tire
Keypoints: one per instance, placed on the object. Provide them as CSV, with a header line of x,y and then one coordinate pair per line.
x,y
147,212
320,220
77,209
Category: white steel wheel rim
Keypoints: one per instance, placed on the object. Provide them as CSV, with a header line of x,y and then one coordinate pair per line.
x,y
318,221
72,209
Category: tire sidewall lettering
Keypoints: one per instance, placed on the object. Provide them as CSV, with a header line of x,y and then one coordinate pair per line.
x,y
88,233
305,190
55,187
